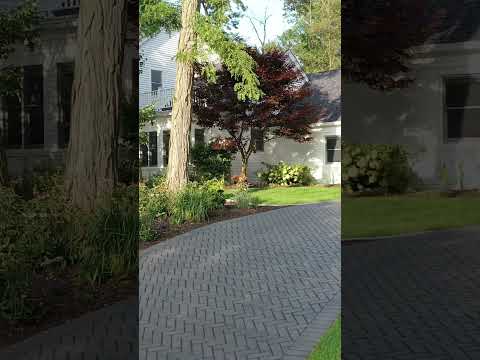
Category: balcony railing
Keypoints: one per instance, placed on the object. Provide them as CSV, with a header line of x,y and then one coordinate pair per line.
x,y
66,7
162,99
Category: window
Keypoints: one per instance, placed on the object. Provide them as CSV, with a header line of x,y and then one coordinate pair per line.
x,y
166,146
22,114
149,152
12,121
156,78
64,86
333,149
462,100
257,137
199,136
33,105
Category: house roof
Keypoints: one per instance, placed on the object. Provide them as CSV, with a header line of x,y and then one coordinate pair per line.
x,y
327,91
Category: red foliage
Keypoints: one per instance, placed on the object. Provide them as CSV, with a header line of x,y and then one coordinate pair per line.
x,y
227,144
282,112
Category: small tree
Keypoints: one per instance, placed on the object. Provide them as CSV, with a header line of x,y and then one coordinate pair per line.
x,y
282,112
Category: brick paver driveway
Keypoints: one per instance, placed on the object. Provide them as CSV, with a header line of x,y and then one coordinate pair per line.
x,y
414,297
258,287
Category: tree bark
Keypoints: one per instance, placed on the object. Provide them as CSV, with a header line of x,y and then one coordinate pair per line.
x,y
91,164
244,170
177,171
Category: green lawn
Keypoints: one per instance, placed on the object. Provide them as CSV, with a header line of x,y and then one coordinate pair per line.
x,y
330,344
294,195
392,215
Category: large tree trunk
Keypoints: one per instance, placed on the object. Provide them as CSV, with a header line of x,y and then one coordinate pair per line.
x,y
177,175
91,171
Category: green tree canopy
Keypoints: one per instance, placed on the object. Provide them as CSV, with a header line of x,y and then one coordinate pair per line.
x,y
213,23
18,27
315,36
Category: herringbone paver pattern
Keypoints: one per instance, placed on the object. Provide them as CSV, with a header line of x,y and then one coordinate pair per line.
x,y
414,297
242,289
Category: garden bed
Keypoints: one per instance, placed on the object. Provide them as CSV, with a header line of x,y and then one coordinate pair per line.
x,y
62,297
164,230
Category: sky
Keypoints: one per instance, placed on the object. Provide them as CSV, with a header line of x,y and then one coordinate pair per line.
x,y
276,24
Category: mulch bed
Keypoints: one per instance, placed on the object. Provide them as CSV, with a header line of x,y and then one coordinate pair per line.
x,y
61,298
165,230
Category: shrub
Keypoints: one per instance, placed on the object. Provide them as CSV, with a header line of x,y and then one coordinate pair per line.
x,y
376,167
209,163
244,200
156,180
33,236
215,188
153,204
108,245
195,203
286,174
44,235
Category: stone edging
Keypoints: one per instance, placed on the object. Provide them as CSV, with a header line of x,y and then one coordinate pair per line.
x,y
314,331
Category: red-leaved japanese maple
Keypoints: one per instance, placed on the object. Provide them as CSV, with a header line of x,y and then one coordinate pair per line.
x,y
283,111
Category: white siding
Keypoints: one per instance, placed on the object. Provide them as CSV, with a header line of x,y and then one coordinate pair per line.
x,y
415,118
312,154
158,53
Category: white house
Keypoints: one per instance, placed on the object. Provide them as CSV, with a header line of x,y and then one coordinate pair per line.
x,y
437,118
157,80
36,127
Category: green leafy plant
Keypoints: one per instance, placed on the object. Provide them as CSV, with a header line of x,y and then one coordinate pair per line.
x,y
209,163
286,174
108,247
195,203
45,235
244,200
154,201
376,167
